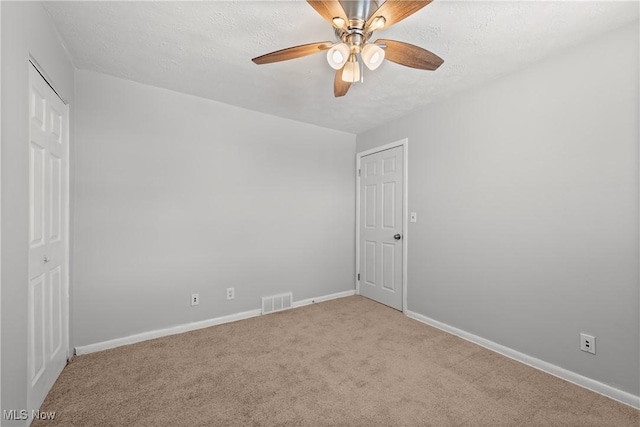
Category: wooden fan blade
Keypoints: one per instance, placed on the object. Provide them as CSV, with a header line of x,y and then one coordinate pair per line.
x,y
329,9
292,52
409,55
395,11
340,87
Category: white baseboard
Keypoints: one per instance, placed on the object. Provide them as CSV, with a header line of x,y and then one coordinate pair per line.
x,y
310,301
572,377
132,339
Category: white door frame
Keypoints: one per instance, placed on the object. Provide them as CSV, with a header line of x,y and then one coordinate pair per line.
x,y
405,208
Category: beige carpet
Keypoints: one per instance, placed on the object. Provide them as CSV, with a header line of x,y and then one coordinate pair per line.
x,y
347,362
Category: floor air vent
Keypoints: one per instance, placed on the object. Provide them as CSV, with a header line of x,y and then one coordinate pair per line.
x,y
277,303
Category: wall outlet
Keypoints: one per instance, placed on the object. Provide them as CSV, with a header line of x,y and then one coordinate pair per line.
x,y
231,294
588,343
195,299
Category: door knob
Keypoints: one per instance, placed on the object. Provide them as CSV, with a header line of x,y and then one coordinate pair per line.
x,y
397,237
46,259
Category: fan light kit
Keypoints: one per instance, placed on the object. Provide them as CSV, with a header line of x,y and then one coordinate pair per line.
x,y
354,22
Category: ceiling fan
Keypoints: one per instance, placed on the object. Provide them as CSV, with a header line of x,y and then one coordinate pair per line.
x,y
354,23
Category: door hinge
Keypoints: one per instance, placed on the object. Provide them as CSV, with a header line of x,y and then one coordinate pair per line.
x,y
358,276
358,172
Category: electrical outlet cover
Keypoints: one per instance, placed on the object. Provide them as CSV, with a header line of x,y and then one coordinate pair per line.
x,y
588,343
195,299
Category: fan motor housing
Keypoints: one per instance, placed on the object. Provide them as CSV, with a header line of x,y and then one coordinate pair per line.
x,y
357,11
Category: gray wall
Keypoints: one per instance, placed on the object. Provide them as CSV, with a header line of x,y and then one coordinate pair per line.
x,y
26,30
527,197
177,194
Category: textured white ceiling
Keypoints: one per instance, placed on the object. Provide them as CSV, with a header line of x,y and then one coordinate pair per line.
x,y
205,49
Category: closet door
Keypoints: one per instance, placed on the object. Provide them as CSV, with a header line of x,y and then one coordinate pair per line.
x,y
48,210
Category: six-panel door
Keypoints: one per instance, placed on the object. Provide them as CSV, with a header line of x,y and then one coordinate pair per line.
x,y
48,201
381,223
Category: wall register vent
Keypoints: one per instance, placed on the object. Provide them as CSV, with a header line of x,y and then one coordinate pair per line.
x,y
276,303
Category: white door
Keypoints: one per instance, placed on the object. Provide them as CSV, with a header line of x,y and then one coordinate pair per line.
x,y
48,204
381,225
